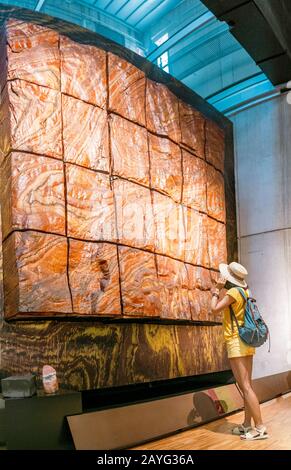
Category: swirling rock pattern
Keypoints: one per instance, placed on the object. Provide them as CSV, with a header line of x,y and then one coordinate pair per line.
x,y
34,118
134,214
78,61
85,134
162,111
129,150
196,237
33,194
112,208
194,182
169,223
215,145
33,55
35,274
217,242
126,89
173,278
90,205
166,166
139,283
192,129
94,278
215,194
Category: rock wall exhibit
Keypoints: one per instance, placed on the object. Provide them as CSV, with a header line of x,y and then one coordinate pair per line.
x,y
114,215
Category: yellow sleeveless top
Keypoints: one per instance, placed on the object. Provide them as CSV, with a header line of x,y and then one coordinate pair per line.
x,y
238,307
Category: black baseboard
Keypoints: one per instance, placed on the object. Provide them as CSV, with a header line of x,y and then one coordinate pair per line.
x,y
129,394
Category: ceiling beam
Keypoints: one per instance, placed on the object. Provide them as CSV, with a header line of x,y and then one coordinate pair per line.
x,y
181,34
39,5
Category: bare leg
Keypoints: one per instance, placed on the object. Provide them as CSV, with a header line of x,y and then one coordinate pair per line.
x,y
241,369
248,415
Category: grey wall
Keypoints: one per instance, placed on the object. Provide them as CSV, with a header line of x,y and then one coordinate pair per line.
x,y
263,183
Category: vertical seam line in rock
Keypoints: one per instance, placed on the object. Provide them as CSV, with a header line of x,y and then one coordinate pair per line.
x,y
65,182
109,127
181,153
68,273
206,194
119,280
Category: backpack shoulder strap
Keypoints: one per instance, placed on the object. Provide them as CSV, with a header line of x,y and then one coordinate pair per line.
x,y
233,317
242,293
232,314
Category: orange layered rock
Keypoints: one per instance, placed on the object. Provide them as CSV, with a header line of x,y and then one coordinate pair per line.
x,y
22,30
162,111
199,293
166,166
215,194
126,89
32,194
5,125
33,54
215,146
217,243
90,205
35,275
192,129
170,235
94,278
196,245
83,71
34,118
3,58
194,182
173,280
129,150
139,283
85,134
134,214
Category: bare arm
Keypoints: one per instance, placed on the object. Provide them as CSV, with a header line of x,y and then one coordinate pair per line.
x,y
216,304
219,305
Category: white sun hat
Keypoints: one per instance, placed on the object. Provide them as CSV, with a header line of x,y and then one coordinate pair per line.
x,y
235,273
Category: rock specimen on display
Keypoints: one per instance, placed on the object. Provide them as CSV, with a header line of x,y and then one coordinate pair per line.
x,y
215,145
169,223
33,54
85,134
215,194
94,278
192,129
194,182
35,275
113,197
30,119
78,61
139,283
134,214
162,111
126,89
173,279
90,205
166,166
216,242
33,194
129,150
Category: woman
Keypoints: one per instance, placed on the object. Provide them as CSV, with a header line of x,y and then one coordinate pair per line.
x,y
239,353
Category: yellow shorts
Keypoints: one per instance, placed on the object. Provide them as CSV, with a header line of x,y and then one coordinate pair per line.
x,y
237,348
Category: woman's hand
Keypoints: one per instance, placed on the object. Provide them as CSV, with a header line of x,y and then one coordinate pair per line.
x,y
220,283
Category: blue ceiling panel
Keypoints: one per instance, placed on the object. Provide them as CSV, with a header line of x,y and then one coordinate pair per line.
x,y
181,36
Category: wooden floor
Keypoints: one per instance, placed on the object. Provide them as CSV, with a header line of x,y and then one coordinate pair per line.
x,y
217,435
